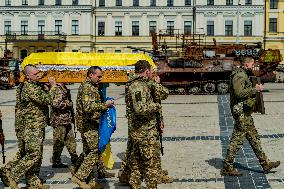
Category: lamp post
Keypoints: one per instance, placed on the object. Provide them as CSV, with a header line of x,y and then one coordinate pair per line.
x,y
238,24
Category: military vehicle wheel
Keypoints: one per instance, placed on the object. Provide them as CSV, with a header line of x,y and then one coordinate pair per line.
x,y
222,88
194,90
209,87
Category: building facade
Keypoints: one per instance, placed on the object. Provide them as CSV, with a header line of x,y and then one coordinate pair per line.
x,y
112,25
274,27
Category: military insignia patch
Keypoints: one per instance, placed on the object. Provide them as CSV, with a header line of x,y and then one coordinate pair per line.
x,y
138,96
86,98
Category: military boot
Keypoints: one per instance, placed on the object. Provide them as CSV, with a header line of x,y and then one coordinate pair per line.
x,y
123,177
13,184
105,174
228,171
270,165
95,185
81,184
164,179
4,177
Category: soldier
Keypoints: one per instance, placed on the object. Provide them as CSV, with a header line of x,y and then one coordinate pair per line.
x,y
142,122
242,103
158,93
34,102
61,120
88,112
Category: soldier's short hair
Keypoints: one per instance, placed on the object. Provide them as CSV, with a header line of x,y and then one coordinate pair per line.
x,y
93,69
246,59
141,66
28,68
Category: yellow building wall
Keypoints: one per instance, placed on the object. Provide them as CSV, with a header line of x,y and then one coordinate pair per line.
x,y
275,40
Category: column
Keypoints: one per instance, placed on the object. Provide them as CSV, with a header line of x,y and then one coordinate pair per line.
x,y
109,25
179,23
126,27
161,22
144,25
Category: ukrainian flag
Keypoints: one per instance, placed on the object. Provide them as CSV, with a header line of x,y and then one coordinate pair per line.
x,y
107,127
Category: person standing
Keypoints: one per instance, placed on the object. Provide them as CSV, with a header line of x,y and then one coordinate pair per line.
x,y
61,119
242,103
142,123
88,112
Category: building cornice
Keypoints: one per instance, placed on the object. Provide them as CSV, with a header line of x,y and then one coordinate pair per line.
x,y
83,8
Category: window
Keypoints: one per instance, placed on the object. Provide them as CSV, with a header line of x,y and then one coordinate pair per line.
x,y
40,2
118,28
210,2
272,24
101,28
273,4
135,28
187,27
135,2
24,2
187,2
248,2
210,28
7,2
229,2
228,28
58,2
75,2
101,51
41,26
101,3
118,2
170,3
152,26
24,27
75,27
170,27
58,27
153,3
7,27
248,28
117,51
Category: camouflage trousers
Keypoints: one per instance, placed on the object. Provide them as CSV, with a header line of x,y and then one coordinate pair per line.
x,y
90,156
29,158
244,128
143,156
63,135
126,162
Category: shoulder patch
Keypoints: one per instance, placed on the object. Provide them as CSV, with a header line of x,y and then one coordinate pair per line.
x,y
138,96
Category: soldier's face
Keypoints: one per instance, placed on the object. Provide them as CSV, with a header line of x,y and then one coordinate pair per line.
x,y
35,74
249,65
149,73
96,77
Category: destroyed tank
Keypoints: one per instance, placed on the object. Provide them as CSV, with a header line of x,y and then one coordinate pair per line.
x,y
191,66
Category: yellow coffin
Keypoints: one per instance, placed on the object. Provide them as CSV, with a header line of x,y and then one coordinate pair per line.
x,y
71,67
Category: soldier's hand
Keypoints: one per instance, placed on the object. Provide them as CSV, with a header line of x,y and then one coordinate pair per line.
x,y
52,81
162,126
157,79
109,103
2,138
259,87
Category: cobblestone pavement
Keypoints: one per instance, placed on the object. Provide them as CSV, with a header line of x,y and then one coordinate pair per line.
x,y
198,129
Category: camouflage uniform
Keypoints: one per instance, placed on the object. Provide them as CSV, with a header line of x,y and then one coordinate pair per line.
x,y
61,121
34,104
242,103
142,123
88,113
158,93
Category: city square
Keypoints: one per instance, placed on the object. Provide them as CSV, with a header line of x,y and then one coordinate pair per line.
x,y
197,134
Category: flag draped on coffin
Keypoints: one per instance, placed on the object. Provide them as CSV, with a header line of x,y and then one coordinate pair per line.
x,y
107,127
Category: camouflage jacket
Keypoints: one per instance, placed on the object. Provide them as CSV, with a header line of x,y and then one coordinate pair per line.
x,y
88,106
241,90
35,101
141,109
18,108
61,107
